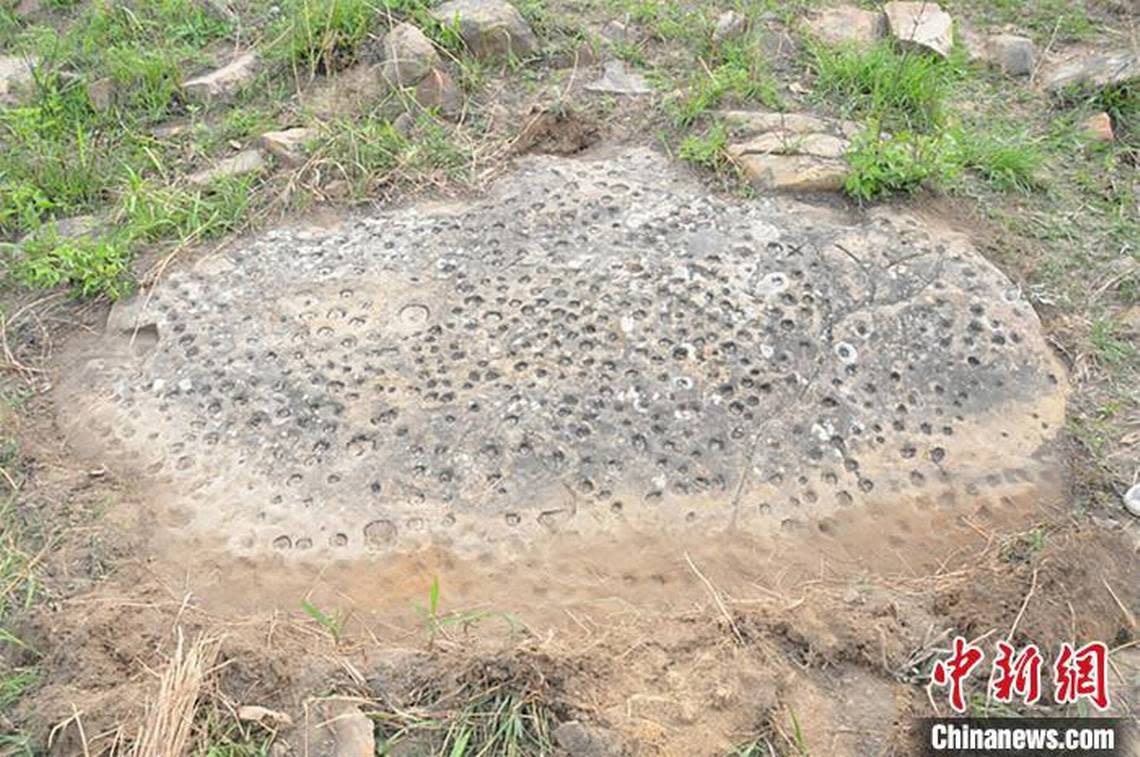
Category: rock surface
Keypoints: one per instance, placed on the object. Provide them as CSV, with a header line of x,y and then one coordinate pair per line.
x,y
438,91
17,78
618,79
288,145
408,56
728,25
790,151
1099,127
1012,54
921,25
225,82
582,740
577,312
1132,500
1093,71
847,24
247,161
491,29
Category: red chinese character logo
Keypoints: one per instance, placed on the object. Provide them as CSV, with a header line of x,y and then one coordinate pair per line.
x,y
1082,673
950,672
1021,676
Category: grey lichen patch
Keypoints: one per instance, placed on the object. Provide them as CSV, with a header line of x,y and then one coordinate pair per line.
x,y
591,344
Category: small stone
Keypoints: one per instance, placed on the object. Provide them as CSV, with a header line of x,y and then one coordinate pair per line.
x,y
288,146
224,82
264,716
586,741
101,93
617,33
847,23
352,732
728,25
921,25
1132,500
793,173
1099,128
404,124
26,8
17,78
185,386
1013,54
1096,72
777,43
247,161
617,79
491,29
758,122
408,56
158,386
437,91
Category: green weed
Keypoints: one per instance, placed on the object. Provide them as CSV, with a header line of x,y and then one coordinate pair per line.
x,y
898,163
333,623
436,622
89,266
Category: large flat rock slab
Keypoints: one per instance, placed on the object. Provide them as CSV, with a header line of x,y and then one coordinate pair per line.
x,y
591,343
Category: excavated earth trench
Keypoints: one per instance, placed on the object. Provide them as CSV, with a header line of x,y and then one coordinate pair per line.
x,y
593,344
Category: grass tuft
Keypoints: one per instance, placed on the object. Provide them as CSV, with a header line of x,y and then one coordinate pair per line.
x,y
902,90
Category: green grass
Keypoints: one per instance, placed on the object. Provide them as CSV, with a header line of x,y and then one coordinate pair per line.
x,y
901,90
1109,346
706,149
1066,20
736,74
371,154
323,35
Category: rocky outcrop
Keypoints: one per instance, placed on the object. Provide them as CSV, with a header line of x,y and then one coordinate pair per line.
x,y
1013,54
847,24
245,162
790,151
408,56
288,145
1093,71
920,25
222,83
618,79
491,29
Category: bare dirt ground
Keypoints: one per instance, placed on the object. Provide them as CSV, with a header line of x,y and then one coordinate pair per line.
x,y
805,641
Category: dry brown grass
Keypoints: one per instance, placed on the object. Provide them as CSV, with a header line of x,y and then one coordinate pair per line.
x,y
169,717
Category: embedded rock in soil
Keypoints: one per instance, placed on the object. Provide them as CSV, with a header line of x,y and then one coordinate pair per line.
x,y
490,28
288,145
1012,54
847,24
225,82
618,79
921,25
1093,71
790,151
587,345
408,56
17,78
245,162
